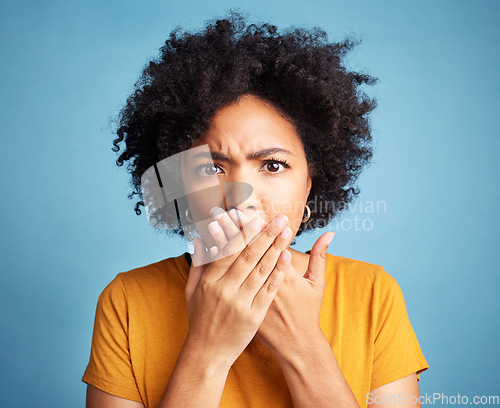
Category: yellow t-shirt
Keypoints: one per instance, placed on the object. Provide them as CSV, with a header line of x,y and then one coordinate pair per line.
x,y
141,324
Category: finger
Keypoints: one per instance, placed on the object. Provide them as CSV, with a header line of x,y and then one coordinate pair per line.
x,y
268,291
315,273
231,223
255,250
217,234
214,251
239,218
198,266
225,222
227,255
267,263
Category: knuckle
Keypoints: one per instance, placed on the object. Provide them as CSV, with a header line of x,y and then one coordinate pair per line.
x,y
270,232
278,245
249,257
263,269
241,308
205,285
271,286
222,295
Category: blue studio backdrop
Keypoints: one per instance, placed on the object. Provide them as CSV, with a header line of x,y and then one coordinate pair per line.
x,y
427,211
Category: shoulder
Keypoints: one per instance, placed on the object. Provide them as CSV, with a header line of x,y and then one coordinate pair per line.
x,y
148,279
356,271
359,280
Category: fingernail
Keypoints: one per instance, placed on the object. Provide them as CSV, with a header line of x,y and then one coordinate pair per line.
x,y
257,223
331,237
286,233
286,255
214,227
216,212
281,221
235,214
214,251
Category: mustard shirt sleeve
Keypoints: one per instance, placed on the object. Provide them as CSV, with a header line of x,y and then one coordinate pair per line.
x,y
109,367
397,352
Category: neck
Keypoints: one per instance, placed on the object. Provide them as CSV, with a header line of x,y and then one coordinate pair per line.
x,y
299,261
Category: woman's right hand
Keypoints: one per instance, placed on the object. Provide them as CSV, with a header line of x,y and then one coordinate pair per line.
x,y
228,298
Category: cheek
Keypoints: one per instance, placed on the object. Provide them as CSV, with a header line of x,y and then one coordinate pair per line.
x,y
200,203
286,198
297,218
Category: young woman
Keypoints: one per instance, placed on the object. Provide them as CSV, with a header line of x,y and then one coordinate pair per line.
x,y
249,321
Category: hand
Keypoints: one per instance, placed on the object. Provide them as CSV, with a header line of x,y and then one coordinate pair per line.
x,y
294,312
228,298
292,320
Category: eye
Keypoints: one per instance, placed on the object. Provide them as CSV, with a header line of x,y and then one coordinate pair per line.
x,y
273,165
207,169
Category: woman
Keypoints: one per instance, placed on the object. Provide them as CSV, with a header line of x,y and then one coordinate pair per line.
x,y
251,321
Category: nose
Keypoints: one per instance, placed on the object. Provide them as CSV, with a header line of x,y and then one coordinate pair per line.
x,y
241,196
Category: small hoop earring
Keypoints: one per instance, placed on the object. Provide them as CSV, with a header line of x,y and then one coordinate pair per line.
x,y
308,214
188,216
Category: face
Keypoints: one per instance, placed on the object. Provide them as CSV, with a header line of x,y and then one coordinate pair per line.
x,y
279,179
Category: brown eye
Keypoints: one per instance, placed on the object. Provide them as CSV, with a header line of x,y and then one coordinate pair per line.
x,y
273,167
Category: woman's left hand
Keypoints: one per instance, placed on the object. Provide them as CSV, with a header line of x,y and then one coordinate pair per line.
x,y
293,317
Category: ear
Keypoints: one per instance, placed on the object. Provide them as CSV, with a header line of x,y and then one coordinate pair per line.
x,y
309,185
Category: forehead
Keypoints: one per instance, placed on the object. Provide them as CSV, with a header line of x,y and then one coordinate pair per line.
x,y
250,124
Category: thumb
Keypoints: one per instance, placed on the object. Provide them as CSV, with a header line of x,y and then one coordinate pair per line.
x,y
198,266
315,273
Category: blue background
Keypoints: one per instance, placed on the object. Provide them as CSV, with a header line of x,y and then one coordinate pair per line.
x,y
68,227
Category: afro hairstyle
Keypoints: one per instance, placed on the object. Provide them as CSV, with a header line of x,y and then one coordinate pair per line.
x,y
296,70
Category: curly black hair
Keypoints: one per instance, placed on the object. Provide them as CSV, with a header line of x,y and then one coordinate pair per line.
x,y
298,71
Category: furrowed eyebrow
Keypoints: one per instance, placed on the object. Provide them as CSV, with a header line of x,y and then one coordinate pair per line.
x,y
260,154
